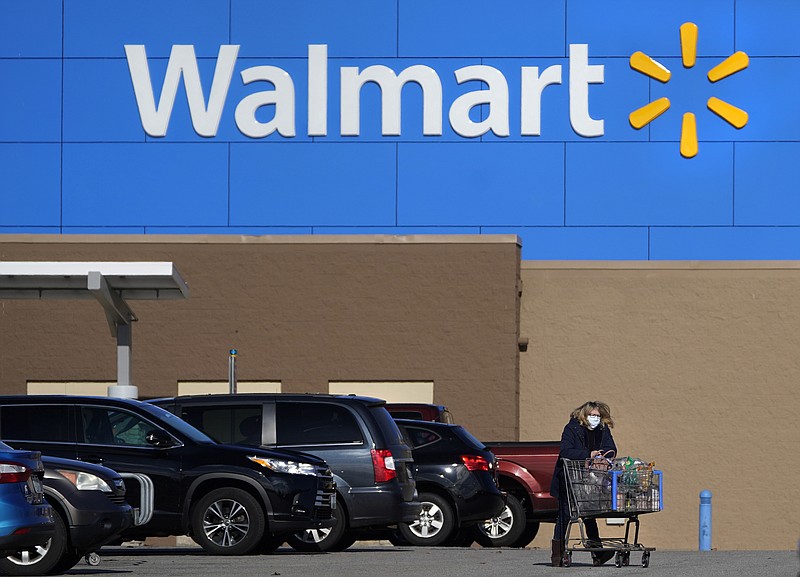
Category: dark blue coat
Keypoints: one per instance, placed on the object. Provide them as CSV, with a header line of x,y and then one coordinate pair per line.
x,y
575,446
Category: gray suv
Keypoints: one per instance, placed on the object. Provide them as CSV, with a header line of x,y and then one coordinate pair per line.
x,y
356,436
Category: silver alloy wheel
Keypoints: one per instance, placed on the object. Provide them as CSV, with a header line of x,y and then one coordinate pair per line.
x,y
313,535
499,526
226,522
31,557
430,522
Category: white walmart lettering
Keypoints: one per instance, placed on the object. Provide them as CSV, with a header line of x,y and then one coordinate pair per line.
x,y
206,118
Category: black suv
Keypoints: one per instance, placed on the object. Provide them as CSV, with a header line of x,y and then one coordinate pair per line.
x,y
89,511
231,500
370,460
456,477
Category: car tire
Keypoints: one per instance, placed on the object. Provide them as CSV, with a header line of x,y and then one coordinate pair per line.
x,y
347,540
228,521
44,560
463,537
396,539
528,535
506,529
436,523
322,540
269,544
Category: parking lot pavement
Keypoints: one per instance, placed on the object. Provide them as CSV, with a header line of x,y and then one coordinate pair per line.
x,y
388,561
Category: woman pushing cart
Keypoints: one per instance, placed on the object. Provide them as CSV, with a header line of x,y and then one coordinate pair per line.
x,y
590,485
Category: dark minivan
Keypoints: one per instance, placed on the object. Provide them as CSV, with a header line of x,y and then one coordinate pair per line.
x,y
230,499
356,436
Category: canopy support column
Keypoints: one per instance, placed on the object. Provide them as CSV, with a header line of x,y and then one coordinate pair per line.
x,y
119,317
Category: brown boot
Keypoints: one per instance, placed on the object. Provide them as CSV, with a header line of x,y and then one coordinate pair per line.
x,y
557,556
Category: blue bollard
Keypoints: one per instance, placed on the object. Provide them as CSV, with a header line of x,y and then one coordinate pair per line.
x,y
705,520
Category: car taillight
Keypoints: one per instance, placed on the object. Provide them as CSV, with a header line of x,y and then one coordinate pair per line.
x,y
383,463
475,462
14,473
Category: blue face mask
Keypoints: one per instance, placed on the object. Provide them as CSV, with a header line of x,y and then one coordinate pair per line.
x,y
594,420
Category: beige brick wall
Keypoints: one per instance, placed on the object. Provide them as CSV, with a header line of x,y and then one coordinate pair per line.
x,y
700,364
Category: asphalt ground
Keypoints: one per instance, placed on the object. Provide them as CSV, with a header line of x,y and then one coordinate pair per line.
x,y
389,561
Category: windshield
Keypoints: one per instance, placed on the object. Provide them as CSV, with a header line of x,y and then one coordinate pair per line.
x,y
178,424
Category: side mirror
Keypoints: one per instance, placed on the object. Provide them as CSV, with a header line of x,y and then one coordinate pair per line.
x,y
159,438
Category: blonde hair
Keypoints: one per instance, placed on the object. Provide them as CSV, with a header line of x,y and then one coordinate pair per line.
x,y
582,412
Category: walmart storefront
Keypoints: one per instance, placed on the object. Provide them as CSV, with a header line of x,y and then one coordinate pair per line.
x,y
506,208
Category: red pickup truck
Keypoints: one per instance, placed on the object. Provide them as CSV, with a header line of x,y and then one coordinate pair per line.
x,y
524,471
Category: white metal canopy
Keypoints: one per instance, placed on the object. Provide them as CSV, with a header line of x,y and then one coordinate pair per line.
x,y
111,283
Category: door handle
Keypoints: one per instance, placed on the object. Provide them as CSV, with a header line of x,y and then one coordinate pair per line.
x,y
91,459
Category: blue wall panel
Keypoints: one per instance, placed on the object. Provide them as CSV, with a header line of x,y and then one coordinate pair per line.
x,y
30,185
99,104
397,230
76,159
725,243
480,184
30,229
474,28
30,29
312,184
622,27
103,230
100,29
286,27
223,230
767,177
30,103
767,28
145,184
767,91
579,243
648,184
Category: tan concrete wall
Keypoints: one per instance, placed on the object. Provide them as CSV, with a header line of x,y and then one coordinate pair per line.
x,y
700,364
301,310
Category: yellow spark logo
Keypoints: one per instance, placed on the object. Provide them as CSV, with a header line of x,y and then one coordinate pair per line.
x,y
641,62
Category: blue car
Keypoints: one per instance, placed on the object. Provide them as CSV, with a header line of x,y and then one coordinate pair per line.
x,y
26,519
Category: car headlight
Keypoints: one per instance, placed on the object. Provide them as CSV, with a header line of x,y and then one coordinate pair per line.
x,y
85,481
282,466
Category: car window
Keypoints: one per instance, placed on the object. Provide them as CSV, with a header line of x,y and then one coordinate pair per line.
x,y
173,421
316,424
411,415
467,437
35,423
239,425
106,426
421,437
388,427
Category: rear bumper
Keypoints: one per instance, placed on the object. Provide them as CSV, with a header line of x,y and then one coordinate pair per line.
x,y
380,507
37,531
283,525
481,506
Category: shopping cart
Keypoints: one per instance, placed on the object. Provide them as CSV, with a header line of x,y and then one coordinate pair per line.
x,y
627,489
